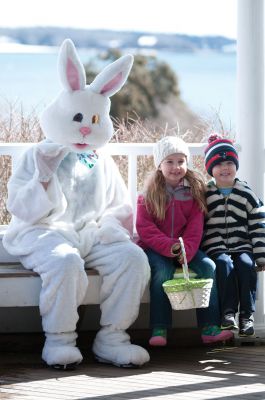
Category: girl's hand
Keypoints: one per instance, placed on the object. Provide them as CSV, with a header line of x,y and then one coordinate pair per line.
x,y
176,250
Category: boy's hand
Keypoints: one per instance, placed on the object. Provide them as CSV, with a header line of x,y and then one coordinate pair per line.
x,y
260,268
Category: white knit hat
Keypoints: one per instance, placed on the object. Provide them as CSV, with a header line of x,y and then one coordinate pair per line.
x,y
169,145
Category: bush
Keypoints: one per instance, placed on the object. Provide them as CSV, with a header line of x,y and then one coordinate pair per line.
x,y
150,82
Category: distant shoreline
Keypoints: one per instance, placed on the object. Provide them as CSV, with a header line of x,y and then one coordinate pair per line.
x,y
18,48
105,39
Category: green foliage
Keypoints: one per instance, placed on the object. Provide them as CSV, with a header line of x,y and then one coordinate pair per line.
x,y
150,82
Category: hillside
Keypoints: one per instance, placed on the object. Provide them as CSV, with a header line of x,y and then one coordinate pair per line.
x,y
103,39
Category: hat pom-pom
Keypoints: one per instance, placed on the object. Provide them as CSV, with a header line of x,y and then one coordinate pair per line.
x,y
213,137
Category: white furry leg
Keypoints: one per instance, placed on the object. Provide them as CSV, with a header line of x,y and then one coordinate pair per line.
x,y
113,346
60,349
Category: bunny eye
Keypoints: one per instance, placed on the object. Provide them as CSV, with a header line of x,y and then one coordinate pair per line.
x,y
78,117
95,119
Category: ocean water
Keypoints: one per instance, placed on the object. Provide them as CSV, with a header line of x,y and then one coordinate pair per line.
x,y
208,83
206,80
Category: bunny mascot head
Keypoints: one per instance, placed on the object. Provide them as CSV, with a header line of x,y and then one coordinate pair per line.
x,y
70,209
79,117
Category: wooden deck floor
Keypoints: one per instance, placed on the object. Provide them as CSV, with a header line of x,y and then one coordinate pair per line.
x,y
176,372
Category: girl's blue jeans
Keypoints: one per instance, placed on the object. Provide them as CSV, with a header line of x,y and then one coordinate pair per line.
x,y
162,269
237,282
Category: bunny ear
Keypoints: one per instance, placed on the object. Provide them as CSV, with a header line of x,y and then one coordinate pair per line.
x,y
71,70
113,77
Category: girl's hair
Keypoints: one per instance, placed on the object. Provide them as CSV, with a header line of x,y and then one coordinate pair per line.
x,y
156,194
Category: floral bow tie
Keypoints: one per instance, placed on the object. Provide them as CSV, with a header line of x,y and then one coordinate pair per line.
x,y
89,159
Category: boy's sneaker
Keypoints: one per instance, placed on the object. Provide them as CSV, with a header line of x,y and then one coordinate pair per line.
x,y
228,321
159,337
213,334
246,325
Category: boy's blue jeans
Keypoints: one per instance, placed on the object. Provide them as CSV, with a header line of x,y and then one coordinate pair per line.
x,y
237,282
162,269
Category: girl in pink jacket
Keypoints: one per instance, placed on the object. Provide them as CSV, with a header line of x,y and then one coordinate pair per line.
x,y
173,205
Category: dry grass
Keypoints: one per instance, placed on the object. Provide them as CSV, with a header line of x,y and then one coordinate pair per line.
x,y
137,131
17,126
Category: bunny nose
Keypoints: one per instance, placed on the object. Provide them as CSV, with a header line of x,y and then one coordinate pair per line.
x,y
85,130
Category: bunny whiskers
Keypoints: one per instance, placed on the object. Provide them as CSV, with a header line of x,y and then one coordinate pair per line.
x,y
89,159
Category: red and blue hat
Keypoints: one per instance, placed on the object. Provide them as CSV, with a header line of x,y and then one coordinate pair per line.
x,y
218,150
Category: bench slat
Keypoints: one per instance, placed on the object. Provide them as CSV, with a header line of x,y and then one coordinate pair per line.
x,y
15,270
17,292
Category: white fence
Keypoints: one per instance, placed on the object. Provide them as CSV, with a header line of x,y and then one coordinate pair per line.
x,y
131,150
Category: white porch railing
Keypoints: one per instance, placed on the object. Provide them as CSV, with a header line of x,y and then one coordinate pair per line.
x,y
132,151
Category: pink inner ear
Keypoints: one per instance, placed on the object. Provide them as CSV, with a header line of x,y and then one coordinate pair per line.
x,y
111,84
72,75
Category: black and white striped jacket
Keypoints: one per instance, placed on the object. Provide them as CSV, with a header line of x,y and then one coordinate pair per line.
x,y
235,223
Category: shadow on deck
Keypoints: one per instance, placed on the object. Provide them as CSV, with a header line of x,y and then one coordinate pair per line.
x,y
183,370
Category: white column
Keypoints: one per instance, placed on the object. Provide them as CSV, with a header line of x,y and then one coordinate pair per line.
x,y
250,92
250,111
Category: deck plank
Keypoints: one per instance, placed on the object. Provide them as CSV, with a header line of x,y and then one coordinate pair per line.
x,y
177,372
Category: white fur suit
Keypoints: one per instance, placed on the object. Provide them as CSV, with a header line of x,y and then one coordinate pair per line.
x,y
70,209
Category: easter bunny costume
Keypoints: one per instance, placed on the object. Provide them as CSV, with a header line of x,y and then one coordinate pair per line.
x,y
70,209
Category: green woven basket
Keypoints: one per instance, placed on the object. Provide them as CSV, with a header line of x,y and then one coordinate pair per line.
x,y
185,293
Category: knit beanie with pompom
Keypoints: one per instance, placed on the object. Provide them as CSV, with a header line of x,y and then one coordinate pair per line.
x,y
219,150
169,145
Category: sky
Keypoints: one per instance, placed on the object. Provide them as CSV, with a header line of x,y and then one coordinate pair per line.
x,y
191,17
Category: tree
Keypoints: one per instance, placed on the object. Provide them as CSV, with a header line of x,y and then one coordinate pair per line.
x,y
150,82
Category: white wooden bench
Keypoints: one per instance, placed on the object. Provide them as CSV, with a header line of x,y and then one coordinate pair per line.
x,y
20,287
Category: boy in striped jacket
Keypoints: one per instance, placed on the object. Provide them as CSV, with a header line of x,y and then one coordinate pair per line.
x,y
234,235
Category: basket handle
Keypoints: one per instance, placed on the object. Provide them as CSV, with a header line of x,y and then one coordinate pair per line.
x,y
185,264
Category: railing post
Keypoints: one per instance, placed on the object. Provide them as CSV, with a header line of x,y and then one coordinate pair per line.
x,y
250,111
132,181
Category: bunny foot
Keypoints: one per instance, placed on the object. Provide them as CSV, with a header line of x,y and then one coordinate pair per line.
x,y
60,351
114,347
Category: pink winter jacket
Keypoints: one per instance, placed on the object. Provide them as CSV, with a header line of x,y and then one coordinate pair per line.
x,y
183,218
